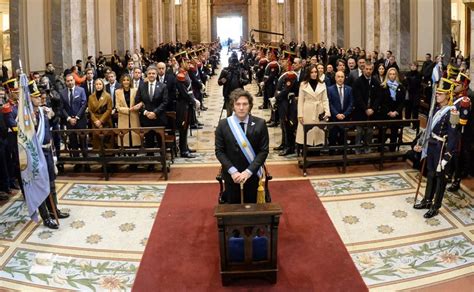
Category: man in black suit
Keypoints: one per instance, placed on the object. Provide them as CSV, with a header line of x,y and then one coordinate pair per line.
x,y
110,88
241,148
153,97
73,114
169,79
340,103
364,91
88,84
137,80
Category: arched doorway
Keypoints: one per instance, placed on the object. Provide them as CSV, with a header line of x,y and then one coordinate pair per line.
x,y
229,8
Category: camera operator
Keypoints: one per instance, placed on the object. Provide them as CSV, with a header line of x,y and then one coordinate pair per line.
x,y
54,80
231,78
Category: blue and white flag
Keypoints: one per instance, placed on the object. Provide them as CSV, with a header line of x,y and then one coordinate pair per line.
x,y
34,169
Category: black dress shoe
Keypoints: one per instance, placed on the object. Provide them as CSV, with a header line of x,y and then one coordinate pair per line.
x,y
281,147
50,223
455,186
187,155
203,108
286,152
61,215
422,205
431,213
263,106
200,124
3,196
191,150
273,125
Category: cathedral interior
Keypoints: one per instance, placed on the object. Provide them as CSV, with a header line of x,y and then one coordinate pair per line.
x,y
150,229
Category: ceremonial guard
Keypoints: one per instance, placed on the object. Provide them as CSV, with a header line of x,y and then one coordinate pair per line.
x,y
270,79
43,133
185,102
460,166
287,111
442,139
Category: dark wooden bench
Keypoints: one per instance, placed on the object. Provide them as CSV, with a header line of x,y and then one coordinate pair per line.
x,y
117,154
380,128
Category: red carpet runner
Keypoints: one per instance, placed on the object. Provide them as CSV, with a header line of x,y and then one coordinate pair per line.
x,y
182,253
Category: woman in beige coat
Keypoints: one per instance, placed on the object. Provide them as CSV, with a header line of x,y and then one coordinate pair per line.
x,y
127,112
313,103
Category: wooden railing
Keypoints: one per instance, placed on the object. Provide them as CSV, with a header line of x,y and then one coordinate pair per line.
x,y
344,157
111,150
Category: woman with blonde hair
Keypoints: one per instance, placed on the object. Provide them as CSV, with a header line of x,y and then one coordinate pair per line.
x,y
390,98
313,105
128,112
100,109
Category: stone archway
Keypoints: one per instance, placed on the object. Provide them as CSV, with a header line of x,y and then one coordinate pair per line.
x,y
223,8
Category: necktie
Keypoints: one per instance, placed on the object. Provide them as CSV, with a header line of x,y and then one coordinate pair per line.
x,y
151,91
242,125
112,93
136,84
71,96
341,96
90,87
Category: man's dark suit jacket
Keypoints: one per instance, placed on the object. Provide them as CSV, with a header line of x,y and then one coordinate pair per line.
x,y
364,98
85,86
170,81
335,102
77,109
229,154
156,104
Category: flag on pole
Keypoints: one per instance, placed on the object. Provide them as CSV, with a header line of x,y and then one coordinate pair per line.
x,y
34,169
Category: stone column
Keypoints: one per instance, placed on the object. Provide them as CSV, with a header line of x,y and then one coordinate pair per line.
x,y
372,25
253,13
169,21
152,22
446,29
323,22
332,22
289,9
395,30
470,5
204,21
88,27
265,20
304,20
17,45
135,10
193,17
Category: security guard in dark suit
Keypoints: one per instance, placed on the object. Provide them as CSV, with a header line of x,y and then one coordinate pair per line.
x,y
442,143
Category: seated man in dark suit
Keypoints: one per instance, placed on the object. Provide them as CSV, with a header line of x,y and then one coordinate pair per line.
x,y
340,104
74,102
241,148
153,97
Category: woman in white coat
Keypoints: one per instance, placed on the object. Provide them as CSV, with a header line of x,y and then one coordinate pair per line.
x,y
313,104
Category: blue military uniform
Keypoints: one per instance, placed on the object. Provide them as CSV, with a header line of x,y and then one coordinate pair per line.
x,y
442,144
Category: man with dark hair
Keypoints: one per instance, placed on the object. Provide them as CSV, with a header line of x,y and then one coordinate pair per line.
x,y
74,103
153,95
241,166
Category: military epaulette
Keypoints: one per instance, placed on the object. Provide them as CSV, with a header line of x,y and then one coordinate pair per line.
x,y
6,108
